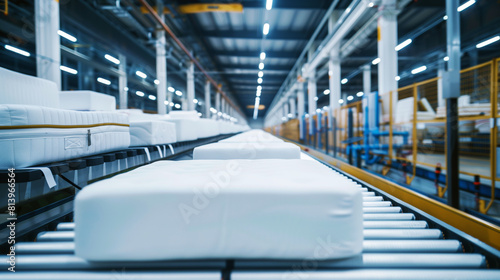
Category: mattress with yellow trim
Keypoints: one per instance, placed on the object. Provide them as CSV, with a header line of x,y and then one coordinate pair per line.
x,y
33,135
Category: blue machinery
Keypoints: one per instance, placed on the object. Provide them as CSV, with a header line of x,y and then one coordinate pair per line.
x,y
373,149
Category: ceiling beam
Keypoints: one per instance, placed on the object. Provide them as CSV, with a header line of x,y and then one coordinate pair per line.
x,y
255,67
257,35
255,54
288,4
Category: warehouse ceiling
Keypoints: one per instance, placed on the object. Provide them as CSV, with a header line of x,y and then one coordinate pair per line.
x,y
228,43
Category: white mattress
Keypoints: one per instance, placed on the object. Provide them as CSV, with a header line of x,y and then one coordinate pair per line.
x,y
207,128
185,129
147,133
270,150
254,135
184,115
213,209
17,88
31,135
86,100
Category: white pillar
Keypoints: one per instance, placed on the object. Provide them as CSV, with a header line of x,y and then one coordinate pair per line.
x,y
293,109
334,78
217,103
440,72
122,82
190,86
161,66
300,108
285,110
223,106
367,78
387,42
207,99
48,43
311,92
184,104
170,100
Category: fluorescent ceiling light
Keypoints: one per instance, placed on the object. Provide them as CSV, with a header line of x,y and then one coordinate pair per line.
x,y
104,81
487,42
370,4
259,80
171,104
316,98
141,74
178,93
344,81
140,93
397,78
219,114
445,17
326,92
125,88
318,110
171,89
446,58
269,5
261,65
350,97
466,5
112,59
258,94
195,101
152,97
376,61
341,101
16,50
68,70
261,74
419,69
404,44
178,106
265,30
262,55
199,114
259,87
165,102
359,94
290,115
66,36
157,82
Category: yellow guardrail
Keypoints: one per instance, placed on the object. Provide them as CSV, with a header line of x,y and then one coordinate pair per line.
x,y
478,88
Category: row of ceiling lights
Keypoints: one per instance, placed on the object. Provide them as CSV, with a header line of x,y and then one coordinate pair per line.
x,y
260,75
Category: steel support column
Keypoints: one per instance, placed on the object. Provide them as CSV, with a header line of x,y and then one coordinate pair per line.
x,y
367,78
208,100
161,65
311,97
122,82
190,87
334,79
293,107
452,92
301,108
217,104
387,38
48,43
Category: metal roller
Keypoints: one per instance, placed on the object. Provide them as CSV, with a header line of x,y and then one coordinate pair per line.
x,y
389,216
114,274
391,209
395,224
372,198
402,234
412,246
377,204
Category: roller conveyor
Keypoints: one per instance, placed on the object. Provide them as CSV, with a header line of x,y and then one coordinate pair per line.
x,y
399,244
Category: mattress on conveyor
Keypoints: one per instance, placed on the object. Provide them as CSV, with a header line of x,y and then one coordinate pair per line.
x,y
217,209
86,100
254,135
249,150
32,135
146,133
207,128
186,129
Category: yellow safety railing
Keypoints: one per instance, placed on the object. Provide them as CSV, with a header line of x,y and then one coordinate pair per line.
x,y
4,7
425,119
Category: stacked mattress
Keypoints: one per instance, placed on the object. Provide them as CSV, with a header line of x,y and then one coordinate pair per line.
x,y
32,135
254,135
149,129
220,209
86,100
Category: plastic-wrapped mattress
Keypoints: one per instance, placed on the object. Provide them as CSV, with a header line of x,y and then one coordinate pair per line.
x,y
31,135
220,209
